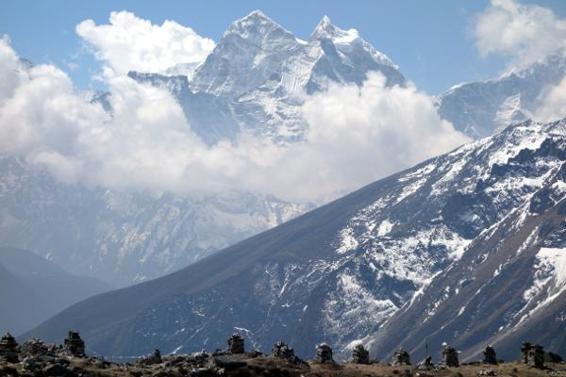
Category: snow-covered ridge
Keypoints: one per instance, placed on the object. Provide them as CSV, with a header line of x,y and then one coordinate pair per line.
x,y
427,221
480,108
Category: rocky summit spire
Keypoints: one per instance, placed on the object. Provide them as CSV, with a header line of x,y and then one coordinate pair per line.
x,y
324,28
255,23
327,30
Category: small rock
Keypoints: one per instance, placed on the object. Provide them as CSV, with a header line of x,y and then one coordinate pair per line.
x,y
57,370
486,372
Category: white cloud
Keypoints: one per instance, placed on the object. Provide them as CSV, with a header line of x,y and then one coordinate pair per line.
x,y
356,135
131,43
553,103
525,33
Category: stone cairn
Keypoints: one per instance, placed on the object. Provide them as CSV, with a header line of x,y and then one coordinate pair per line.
x,y
9,348
151,359
283,351
360,355
324,354
401,357
236,344
525,348
450,356
533,355
74,345
489,356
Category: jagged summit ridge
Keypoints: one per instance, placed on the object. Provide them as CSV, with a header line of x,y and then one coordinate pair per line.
x,y
259,72
255,25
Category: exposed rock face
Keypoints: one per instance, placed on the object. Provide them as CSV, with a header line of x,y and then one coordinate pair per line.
x,y
360,355
401,357
450,356
9,348
236,344
74,345
489,356
324,353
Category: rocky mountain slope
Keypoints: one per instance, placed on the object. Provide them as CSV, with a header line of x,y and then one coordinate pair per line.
x,y
480,108
341,272
510,284
33,289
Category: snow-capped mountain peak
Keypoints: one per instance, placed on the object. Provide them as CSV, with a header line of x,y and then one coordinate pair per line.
x,y
258,27
346,41
326,29
256,77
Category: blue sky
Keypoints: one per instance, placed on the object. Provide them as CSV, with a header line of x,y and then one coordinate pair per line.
x,y
431,41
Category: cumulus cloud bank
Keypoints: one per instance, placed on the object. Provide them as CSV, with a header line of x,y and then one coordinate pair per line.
x,y
553,103
355,135
526,33
129,43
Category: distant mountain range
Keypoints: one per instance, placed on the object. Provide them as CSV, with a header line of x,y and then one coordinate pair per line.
x,y
467,247
480,108
251,82
32,289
